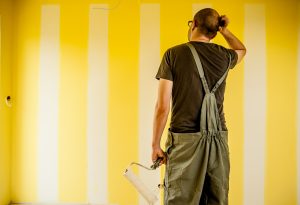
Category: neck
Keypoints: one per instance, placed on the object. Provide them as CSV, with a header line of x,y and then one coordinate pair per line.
x,y
200,38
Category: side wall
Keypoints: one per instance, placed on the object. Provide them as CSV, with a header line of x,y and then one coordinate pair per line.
x,y
5,90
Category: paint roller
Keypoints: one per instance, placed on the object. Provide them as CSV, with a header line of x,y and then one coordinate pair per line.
x,y
149,195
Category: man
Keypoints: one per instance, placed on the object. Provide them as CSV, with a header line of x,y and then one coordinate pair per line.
x,y
197,156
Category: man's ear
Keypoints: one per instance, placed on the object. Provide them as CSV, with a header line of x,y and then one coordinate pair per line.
x,y
195,25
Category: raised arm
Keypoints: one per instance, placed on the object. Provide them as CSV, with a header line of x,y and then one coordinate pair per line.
x,y
233,42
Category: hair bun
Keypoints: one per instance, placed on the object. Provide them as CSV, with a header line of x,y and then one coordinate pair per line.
x,y
221,22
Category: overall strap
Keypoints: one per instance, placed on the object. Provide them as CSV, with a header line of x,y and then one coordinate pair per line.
x,y
200,68
222,78
201,72
210,118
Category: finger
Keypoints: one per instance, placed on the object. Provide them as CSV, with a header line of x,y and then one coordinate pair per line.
x,y
224,18
164,159
154,157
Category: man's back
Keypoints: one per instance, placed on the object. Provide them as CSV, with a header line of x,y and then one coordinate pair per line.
x,y
179,66
197,161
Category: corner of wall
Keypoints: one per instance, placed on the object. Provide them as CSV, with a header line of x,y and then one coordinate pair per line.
x,y
5,90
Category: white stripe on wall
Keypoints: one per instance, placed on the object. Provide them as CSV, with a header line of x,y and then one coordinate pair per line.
x,y
48,104
255,104
197,7
149,62
298,112
97,104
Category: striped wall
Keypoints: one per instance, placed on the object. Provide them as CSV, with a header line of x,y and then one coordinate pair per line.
x,y
281,166
85,92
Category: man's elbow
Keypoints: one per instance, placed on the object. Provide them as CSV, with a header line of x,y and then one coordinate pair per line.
x,y
244,51
241,54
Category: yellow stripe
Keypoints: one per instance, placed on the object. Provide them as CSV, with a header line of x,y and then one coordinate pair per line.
x,y
298,109
123,99
5,89
197,7
72,102
174,18
26,67
281,110
234,101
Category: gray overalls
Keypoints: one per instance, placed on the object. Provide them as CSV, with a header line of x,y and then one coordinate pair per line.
x,y
197,169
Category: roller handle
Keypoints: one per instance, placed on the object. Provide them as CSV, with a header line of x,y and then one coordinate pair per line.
x,y
156,163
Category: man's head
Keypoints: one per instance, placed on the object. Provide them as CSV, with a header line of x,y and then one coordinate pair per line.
x,y
206,22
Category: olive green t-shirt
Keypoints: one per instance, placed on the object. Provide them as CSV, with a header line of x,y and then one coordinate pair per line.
x,y
178,65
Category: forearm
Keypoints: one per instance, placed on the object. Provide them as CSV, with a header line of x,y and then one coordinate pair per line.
x,y
233,42
160,120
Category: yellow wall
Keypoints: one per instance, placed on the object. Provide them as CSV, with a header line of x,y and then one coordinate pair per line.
x,y
73,86
281,162
24,117
280,180
123,101
5,90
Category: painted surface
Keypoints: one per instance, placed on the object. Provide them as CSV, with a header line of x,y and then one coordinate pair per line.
x,y
105,68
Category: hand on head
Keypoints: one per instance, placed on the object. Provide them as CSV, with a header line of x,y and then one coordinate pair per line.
x,y
223,22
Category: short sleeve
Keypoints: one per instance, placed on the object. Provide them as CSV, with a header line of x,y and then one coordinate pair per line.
x,y
232,57
165,68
